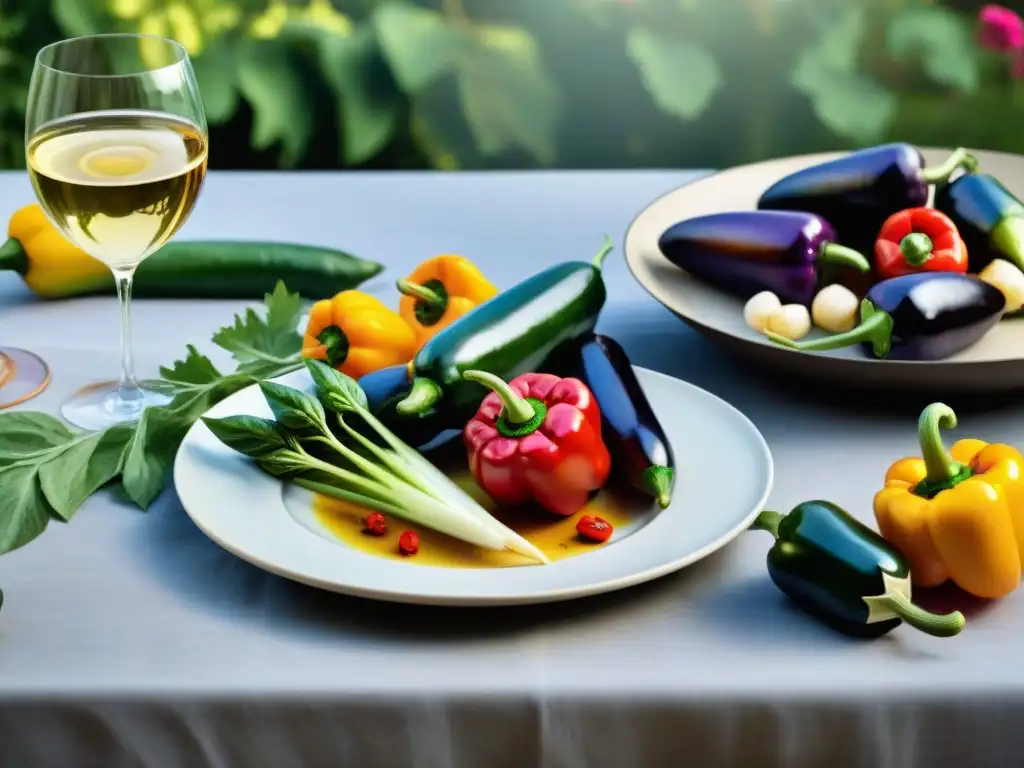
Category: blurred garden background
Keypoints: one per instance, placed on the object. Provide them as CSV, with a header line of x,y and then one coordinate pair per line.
x,y
480,84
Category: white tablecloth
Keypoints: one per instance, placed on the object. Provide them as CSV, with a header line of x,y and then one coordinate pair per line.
x,y
129,640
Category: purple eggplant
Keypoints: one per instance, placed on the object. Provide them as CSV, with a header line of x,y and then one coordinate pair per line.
x,y
856,193
746,252
923,316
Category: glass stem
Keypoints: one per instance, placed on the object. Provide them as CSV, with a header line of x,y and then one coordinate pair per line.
x,y
129,395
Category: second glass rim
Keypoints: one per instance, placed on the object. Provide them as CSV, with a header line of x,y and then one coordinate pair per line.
x,y
180,51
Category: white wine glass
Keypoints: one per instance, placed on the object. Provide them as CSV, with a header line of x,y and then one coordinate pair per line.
x,y
116,142
23,375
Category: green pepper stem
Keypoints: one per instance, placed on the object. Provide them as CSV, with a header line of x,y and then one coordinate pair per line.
x,y
608,247
916,248
768,521
875,328
935,624
941,467
515,409
657,481
13,256
423,395
960,158
840,255
418,291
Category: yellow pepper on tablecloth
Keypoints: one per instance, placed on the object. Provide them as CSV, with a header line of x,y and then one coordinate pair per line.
x,y
956,515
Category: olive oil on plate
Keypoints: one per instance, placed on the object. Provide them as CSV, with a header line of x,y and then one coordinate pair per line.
x,y
554,535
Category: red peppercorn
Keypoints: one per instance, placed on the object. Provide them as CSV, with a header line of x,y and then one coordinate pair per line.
x,y
594,528
375,524
409,543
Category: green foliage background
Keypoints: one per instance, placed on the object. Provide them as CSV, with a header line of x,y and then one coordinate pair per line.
x,y
474,84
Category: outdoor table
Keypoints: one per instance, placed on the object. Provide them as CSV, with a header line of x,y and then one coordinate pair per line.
x,y
130,640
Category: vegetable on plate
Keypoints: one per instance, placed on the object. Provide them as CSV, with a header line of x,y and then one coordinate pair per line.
x,y
382,473
919,240
537,438
1008,279
594,528
957,515
54,268
516,332
835,309
747,252
640,451
837,569
857,192
988,216
440,291
357,334
923,316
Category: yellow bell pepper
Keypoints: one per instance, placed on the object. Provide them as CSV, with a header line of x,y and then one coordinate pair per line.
x,y
357,334
439,292
50,265
959,515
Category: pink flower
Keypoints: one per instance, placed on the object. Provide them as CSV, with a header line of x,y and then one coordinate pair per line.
x,y
1001,29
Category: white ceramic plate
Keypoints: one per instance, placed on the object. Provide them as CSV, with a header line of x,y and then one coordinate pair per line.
x,y
253,516
995,363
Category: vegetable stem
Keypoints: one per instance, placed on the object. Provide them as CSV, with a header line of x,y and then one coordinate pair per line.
x,y
960,158
608,247
420,292
423,395
768,521
13,256
519,416
875,329
840,255
916,248
657,480
943,471
937,625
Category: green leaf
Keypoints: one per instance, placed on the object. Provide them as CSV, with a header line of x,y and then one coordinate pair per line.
x,y
507,96
942,39
255,341
77,18
82,468
249,435
24,511
418,43
218,82
680,76
195,369
294,410
160,431
335,390
370,103
27,432
847,102
274,88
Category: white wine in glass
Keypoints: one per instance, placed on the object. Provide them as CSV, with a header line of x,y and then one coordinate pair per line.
x,y
23,375
116,142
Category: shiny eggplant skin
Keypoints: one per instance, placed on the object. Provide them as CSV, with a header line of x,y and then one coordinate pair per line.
x,y
641,454
384,388
935,315
746,252
855,193
988,216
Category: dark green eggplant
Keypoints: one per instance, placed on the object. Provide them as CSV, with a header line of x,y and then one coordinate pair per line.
x,y
837,569
516,332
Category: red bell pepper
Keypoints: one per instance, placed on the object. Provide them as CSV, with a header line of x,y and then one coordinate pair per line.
x,y
919,240
537,438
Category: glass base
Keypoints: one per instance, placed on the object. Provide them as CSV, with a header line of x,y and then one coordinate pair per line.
x,y
99,406
23,375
